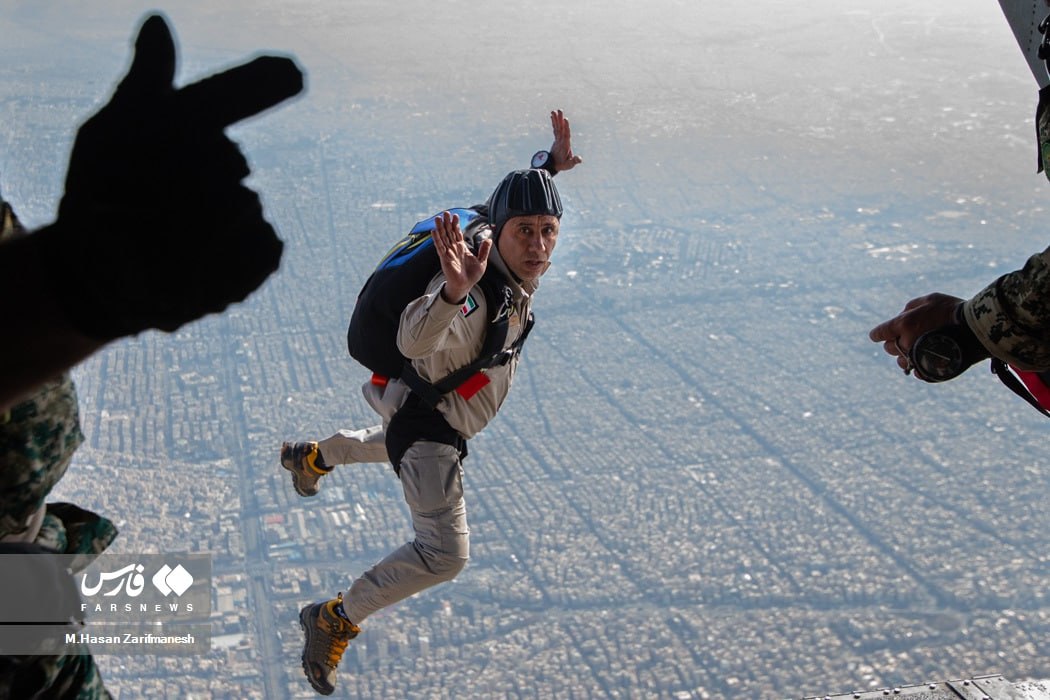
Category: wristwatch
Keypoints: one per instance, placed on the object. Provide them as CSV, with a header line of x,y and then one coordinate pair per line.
x,y
946,352
542,160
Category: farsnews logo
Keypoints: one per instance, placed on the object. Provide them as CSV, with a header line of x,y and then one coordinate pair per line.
x,y
146,588
131,582
129,579
168,580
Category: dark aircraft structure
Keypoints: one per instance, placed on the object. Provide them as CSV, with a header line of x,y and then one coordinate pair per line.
x,y
978,688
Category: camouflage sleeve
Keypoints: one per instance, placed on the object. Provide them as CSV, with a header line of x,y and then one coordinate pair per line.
x,y
37,440
1011,316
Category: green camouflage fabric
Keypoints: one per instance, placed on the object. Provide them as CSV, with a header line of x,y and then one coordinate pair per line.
x,y
72,530
73,676
37,440
1011,316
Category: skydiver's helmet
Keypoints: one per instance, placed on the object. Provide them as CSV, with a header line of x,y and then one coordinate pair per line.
x,y
523,193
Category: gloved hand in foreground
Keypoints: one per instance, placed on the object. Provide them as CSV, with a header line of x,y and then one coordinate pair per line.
x,y
155,228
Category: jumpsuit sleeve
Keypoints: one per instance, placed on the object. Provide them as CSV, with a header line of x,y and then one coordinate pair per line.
x,y
429,324
1011,316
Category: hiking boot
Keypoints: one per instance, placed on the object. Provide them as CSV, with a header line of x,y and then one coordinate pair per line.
x,y
327,634
304,461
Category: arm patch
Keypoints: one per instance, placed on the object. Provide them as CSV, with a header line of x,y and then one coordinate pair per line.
x,y
469,306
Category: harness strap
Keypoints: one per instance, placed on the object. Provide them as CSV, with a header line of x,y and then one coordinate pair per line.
x,y
1002,370
468,379
415,421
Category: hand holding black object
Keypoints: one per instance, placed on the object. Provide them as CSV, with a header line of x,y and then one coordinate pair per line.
x,y
945,353
155,228
931,337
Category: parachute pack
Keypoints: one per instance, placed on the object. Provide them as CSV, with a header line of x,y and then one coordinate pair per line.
x,y
402,276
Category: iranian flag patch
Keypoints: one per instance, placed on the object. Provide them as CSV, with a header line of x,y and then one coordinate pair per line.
x,y
469,306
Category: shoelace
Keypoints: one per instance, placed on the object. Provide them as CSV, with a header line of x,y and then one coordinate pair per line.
x,y
337,641
336,647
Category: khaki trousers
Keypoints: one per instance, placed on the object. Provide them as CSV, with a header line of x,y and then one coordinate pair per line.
x,y
432,481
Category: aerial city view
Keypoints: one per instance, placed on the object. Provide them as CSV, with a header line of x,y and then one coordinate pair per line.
x,y
707,481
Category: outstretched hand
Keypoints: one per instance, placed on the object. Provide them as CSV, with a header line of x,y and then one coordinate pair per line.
x,y
155,228
561,150
461,267
920,315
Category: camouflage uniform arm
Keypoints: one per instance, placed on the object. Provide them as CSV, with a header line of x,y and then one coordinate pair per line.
x,y
1011,316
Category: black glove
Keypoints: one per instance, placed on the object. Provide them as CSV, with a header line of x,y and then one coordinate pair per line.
x,y
155,228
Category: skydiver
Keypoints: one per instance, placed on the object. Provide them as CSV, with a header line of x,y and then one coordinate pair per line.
x,y
155,228
439,332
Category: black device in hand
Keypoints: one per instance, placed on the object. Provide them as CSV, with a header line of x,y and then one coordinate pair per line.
x,y
945,353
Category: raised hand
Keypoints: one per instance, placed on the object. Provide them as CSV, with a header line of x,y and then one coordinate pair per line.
x,y
461,267
155,228
561,149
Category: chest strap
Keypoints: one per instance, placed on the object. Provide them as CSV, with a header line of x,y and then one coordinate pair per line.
x,y
469,379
